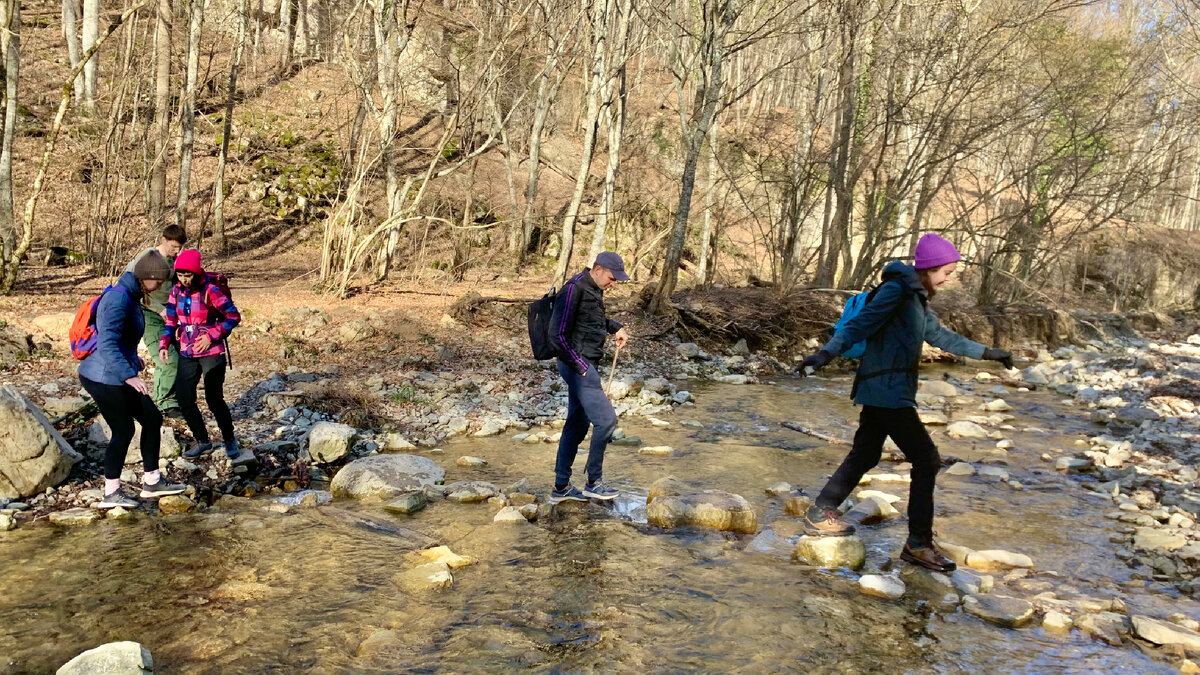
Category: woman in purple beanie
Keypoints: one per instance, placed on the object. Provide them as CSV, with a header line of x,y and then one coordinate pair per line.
x,y
895,323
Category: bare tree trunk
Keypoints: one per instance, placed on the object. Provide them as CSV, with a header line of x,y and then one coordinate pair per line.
x,y
599,29
188,118
11,42
162,113
706,233
616,96
91,31
227,126
70,18
837,230
391,38
289,30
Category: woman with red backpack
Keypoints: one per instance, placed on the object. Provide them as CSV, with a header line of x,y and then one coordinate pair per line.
x,y
200,316
109,373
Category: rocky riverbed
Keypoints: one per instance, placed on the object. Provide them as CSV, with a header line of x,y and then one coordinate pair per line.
x,y
1068,498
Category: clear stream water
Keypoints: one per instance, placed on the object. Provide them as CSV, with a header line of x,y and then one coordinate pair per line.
x,y
594,590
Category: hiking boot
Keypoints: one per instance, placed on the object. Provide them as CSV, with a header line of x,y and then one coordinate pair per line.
x,y
231,449
569,493
822,522
161,489
197,450
928,557
116,499
600,491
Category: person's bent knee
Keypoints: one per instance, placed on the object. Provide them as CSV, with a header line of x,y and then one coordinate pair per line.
x,y
928,461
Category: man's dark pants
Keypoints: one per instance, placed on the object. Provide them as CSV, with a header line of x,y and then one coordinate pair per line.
x,y
586,404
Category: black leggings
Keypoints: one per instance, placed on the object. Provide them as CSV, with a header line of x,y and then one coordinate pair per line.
x,y
120,405
906,429
212,369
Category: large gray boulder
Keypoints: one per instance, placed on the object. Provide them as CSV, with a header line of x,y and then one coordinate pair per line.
x,y
671,505
114,658
330,442
99,434
385,477
33,455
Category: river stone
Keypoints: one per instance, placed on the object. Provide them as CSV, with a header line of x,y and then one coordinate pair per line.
x,y
933,418
780,489
395,442
471,462
383,477
999,609
797,506
927,583
657,385
1073,464
881,586
330,442
871,510
379,641
114,658
491,427
688,350
961,469
99,434
735,378
76,516
937,388
671,505
509,514
470,492
966,429
175,503
997,405
7,522
33,455
998,560
1057,622
992,472
830,552
1108,627
443,554
1164,633
969,582
432,576
659,450
406,504
1148,539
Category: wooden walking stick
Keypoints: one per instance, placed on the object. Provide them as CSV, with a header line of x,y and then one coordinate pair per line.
x,y
612,371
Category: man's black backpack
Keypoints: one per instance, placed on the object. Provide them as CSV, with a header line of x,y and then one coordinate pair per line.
x,y
540,333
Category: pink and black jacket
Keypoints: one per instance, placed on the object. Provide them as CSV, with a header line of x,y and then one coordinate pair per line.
x,y
190,313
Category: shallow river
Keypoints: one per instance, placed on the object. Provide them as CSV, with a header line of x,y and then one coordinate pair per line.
x,y
595,590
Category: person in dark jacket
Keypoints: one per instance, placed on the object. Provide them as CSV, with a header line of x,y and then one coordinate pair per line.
x,y
110,376
895,323
580,328
155,311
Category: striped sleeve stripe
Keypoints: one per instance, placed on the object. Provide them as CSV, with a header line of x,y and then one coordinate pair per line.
x,y
562,328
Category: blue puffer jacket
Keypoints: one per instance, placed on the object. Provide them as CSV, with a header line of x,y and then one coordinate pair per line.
x,y
895,323
119,327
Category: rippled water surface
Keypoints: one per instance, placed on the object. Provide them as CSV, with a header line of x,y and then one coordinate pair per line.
x,y
592,590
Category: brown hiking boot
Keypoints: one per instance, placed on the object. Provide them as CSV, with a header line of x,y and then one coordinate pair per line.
x,y
821,522
929,557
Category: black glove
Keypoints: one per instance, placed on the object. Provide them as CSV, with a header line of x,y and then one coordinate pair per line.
x,y
1002,355
815,361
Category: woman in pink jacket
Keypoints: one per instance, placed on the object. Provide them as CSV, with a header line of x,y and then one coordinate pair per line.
x,y
199,318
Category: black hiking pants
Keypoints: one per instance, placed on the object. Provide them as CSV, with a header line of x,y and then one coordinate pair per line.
x,y
120,405
905,428
212,370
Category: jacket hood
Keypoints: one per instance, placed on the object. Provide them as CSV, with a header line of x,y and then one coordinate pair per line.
x,y
905,274
130,283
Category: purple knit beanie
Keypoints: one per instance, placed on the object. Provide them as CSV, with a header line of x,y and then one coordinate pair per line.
x,y
935,251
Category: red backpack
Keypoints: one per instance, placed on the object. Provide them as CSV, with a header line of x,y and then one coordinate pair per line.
x,y
82,334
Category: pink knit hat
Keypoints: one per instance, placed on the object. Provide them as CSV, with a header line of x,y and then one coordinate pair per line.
x,y
189,261
935,251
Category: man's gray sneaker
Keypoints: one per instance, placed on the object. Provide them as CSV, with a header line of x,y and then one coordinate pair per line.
x,y
600,491
162,488
569,493
116,499
197,450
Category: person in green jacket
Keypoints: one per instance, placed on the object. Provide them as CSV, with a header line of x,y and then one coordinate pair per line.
x,y
895,323
154,309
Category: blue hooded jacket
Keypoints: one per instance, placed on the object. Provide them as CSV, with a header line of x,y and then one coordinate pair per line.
x,y
895,324
119,327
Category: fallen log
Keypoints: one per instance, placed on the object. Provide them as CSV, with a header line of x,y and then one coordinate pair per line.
x,y
828,438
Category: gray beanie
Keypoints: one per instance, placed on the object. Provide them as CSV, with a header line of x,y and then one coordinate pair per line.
x,y
152,266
